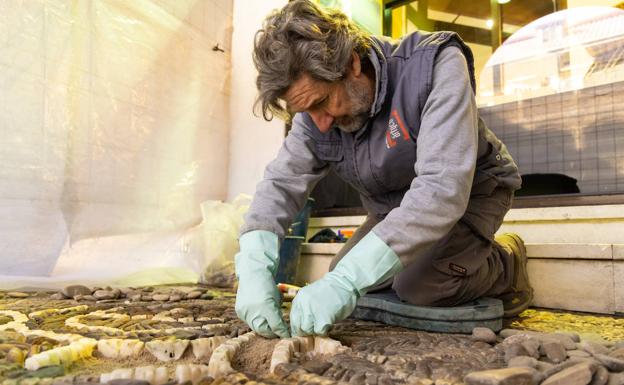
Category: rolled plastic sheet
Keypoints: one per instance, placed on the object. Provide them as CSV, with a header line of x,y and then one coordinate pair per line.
x,y
114,130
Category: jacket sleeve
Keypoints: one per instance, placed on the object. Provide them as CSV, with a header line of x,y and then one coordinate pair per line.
x,y
288,181
446,158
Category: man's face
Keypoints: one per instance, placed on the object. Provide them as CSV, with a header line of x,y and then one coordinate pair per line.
x,y
345,104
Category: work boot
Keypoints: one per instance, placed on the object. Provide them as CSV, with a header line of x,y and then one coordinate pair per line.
x,y
520,295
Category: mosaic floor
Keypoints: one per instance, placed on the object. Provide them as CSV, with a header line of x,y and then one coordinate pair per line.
x,y
190,334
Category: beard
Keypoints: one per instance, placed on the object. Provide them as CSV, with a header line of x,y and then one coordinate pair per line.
x,y
361,99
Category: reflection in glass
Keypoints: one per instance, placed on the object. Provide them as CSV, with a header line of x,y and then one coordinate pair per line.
x,y
563,51
554,93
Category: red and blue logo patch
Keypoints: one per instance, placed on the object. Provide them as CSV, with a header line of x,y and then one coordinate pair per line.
x,y
396,129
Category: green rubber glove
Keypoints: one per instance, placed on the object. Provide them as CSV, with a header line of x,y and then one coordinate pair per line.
x,y
258,302
332,298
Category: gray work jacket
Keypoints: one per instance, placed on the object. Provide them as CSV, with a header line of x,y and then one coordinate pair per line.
x,y
417,161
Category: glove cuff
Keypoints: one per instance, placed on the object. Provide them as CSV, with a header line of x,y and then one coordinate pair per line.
x,y
260,246
369,263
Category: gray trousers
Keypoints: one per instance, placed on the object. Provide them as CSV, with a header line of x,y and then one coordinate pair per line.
x,y
464,265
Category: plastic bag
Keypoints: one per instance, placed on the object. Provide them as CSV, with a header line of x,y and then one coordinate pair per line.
x,y
220,227
110,118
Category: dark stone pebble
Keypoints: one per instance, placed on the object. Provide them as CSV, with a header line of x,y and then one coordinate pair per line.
x,y
74,290
186,334
47,371
284,370
600,377
316,366
612,363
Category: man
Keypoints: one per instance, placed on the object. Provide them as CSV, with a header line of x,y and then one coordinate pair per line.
x,y
399,123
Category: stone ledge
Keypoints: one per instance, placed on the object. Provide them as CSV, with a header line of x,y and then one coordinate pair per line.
x,y
618,252
581,285
562,213
618,286
598,251
581,276
567,213
595,251
328,249
350,221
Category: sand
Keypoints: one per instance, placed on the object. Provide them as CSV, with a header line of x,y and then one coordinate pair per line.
x,y
254,357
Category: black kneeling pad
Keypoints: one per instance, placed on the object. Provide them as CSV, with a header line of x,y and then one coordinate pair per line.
x,y
386,307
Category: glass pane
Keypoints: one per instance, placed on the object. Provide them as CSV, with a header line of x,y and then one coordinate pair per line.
x,y
517,14
554,93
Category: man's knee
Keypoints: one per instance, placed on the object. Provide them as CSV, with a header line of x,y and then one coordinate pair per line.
x,y
431,288
413,297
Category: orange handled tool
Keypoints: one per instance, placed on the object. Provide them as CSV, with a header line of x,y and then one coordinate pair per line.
x,y
288,291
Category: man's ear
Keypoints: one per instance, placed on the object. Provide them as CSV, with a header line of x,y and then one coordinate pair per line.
x,y
356,65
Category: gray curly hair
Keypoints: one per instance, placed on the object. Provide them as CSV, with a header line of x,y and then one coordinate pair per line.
x,y
302,38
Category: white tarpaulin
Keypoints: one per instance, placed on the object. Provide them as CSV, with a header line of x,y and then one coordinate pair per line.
x,y
114,129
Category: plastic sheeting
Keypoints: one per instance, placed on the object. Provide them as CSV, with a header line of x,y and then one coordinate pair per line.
x,y
113,123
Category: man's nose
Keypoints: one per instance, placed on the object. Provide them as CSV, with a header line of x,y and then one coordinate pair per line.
x,y
322,119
